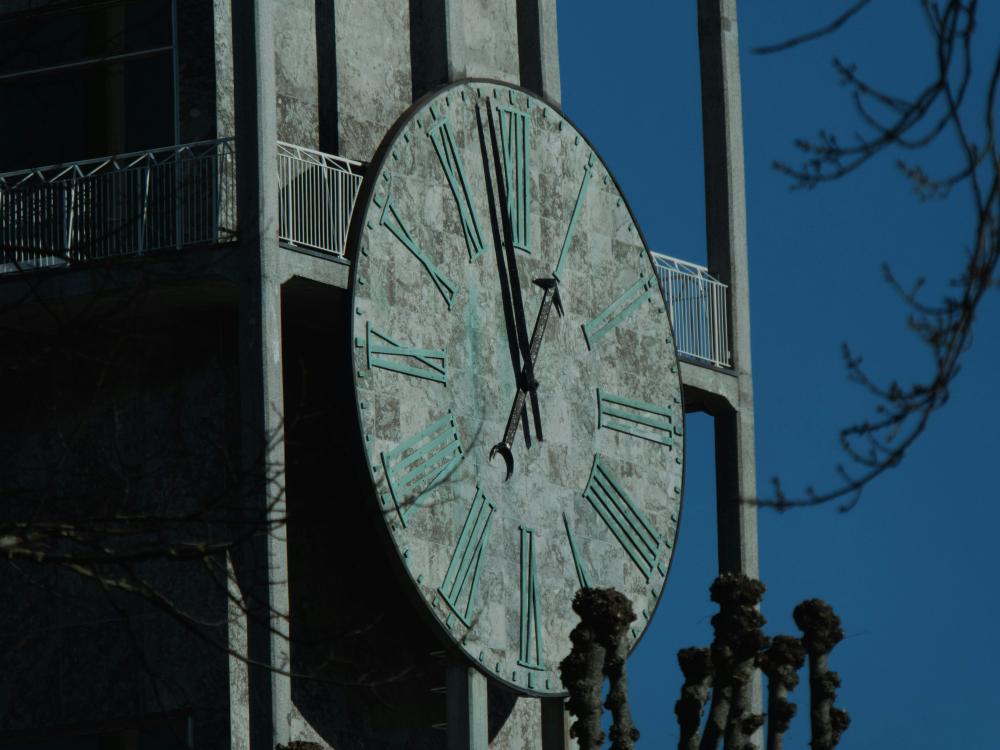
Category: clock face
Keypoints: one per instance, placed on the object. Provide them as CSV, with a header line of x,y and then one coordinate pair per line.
x,y
515,376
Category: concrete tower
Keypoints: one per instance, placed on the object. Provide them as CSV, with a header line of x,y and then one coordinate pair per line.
x,y
174,325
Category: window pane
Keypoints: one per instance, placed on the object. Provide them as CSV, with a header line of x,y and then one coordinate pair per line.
x,y
44,38
86,112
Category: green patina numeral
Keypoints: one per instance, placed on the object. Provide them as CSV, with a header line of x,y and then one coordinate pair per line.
x,y
581,570
515,142
635,534
391,220
532,648
637,418
462,579
581,196
626,304
448,154
395,357
417,465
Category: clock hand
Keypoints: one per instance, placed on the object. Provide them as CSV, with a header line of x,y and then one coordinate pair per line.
x,y
514,279
528,384
513,340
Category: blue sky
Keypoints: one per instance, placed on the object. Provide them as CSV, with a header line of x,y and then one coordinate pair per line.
x,y
912,569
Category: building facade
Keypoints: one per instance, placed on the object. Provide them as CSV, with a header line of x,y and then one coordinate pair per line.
x,y
186,567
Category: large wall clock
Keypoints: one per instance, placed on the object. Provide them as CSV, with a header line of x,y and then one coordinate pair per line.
x,y
516,377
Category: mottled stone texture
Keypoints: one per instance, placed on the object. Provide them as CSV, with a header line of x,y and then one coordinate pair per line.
x,y
346,70
544,495
491,39
373,71
514,721
225,106
296,72
116,418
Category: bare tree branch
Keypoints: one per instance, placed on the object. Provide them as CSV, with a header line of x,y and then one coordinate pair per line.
x,y
944,326
815,34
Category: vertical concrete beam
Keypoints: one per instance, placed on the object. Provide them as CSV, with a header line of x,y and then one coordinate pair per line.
x,y
468,719
454,30
555,725
239,680
538,48
262,568
428,45
548,36
726,230
222,24
725,214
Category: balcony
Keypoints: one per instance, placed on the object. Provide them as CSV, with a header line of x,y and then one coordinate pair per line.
x,y
696,302
316,194
167,198
118,206
183,196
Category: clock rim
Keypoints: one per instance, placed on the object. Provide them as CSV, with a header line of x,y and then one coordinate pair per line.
x,y
355,232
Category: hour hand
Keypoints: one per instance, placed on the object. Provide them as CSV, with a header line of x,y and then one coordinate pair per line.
x,y
526,382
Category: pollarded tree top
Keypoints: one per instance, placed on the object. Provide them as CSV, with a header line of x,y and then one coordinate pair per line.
x,y
819,624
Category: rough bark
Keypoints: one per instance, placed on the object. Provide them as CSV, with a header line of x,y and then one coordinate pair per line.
x,y
738,641
718,714
781,663
599,649
620,616
696,665
821,631
583,676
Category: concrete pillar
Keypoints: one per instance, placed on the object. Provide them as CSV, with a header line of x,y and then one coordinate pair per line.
x,y
262,566
555,725
725,214
468,719
454,34
726,230
538,48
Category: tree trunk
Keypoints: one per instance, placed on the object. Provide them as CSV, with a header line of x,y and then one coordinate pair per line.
x,y
821,631
623,731
696,664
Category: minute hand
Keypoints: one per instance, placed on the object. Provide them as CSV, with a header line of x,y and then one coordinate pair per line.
x,y
527,382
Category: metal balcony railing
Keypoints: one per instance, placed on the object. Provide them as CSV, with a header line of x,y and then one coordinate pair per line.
x,y
165,198
697,305
186,195
118,206
316,194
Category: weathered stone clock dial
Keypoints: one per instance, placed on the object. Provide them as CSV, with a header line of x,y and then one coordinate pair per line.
x,y
515,375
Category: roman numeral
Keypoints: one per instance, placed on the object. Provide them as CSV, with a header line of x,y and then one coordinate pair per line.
x,y
462,579
389,354
515,143
636,535
581,570
581,196
391,220
532,648
636,418
416,466
626,304
451,161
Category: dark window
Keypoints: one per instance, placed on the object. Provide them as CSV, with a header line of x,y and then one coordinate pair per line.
x,y
84,80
